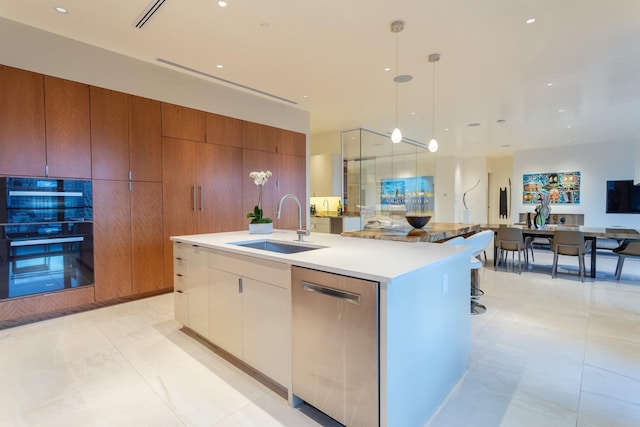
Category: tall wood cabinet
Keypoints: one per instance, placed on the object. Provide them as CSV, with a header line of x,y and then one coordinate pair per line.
x,y
127,170
201,187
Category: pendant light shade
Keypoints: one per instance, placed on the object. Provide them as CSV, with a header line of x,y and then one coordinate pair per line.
x,y
396,136
396,27
433,144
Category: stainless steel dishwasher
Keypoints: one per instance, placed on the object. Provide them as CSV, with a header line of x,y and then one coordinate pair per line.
x,y
335,345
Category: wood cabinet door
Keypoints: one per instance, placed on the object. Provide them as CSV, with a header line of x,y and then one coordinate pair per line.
x,y
224,130
147,237
22,132
255,161
145,141
109,134
219,189
292,179
259,137
183,123
111,239
179,189
293,143
68,125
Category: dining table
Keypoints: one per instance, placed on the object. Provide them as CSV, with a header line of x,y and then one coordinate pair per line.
x,y
591,235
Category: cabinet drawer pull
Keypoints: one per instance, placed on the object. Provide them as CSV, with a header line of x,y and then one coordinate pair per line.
x,y
240,285
193,196
179,291
200,195
179,275
179,259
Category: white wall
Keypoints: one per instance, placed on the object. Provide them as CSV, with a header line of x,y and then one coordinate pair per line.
x,y
596,163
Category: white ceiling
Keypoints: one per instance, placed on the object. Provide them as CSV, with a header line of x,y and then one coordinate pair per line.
x,y
494,65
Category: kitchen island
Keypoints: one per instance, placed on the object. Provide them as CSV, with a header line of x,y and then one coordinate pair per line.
x,y
422,320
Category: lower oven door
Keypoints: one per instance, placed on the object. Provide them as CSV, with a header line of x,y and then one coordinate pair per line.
x,y
35,264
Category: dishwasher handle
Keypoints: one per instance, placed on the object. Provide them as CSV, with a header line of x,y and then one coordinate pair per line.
x,y
331,292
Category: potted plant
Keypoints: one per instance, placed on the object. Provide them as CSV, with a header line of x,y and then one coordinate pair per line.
x,y
259,223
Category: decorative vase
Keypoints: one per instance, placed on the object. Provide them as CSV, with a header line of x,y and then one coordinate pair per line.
x,y
261,228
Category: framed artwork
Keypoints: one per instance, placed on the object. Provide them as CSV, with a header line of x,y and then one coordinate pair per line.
x,y
563,187
415,192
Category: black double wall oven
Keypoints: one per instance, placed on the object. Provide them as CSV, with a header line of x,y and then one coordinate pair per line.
x,y
46,235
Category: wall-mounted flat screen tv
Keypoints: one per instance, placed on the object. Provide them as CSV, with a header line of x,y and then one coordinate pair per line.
x,y
623,197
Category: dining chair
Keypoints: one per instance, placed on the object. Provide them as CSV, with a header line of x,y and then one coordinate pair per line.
x,y
511,239
629,248
569,243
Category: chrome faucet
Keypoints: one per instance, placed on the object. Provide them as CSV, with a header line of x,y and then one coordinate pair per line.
x,y
301,232
327,202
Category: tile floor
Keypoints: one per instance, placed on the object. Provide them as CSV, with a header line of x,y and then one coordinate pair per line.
x,y
547,353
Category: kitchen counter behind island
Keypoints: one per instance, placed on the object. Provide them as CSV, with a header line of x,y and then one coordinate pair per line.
x,y
423,320
434,232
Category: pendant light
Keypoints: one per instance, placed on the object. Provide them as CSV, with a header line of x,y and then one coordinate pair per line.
x,y
433,144
396,27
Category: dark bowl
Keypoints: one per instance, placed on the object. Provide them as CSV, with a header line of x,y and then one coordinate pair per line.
x,y
418,221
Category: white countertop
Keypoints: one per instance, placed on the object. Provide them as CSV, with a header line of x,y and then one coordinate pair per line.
x,y
377,260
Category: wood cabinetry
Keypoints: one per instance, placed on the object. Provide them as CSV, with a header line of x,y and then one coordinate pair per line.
x,y
22,125
259,137
111,239
128,238
145,142
125,135
201,187
109,134
68,123
183,123
223,130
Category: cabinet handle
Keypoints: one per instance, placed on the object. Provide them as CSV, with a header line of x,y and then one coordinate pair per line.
x,y
178,274
130,176
200,195
240,285
331,292
178,259
130,186
193,196
46,170
179,291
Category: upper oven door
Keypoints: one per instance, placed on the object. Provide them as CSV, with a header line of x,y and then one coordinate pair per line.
x,y
38,200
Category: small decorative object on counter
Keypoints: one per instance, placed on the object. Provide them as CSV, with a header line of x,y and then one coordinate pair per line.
x,y
339,208
259,223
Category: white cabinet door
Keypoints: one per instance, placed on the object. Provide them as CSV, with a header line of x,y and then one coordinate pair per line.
x,y
225,311
181,307
267,329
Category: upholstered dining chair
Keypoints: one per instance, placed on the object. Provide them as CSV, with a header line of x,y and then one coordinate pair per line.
x,y
570,243
629,248
511,239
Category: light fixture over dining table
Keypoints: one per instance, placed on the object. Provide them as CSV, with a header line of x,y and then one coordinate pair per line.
x,y
433,144
397,27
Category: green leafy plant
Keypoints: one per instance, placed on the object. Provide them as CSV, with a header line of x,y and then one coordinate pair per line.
x,y
260,179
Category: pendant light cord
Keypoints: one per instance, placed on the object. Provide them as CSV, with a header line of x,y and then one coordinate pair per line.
x,y
396,80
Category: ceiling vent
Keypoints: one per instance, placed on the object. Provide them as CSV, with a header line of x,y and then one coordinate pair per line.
x,y
229,82
148,13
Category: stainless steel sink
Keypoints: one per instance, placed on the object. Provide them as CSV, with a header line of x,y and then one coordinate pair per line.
x,y
276,246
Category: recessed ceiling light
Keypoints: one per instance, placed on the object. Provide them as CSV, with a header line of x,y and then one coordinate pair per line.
x,y
531,20
569,126
561,110
402,78
550,84
219,66
500,121
264,25
471,125
61,10
305,96
222,3
387,69
446,128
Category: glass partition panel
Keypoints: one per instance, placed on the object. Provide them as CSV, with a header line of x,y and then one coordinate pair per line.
x,y
384,181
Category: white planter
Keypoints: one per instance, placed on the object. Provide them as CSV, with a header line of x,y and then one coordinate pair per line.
x,y
263,228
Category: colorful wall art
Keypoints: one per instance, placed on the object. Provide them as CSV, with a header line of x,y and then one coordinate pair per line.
x,y
563,187
415,192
